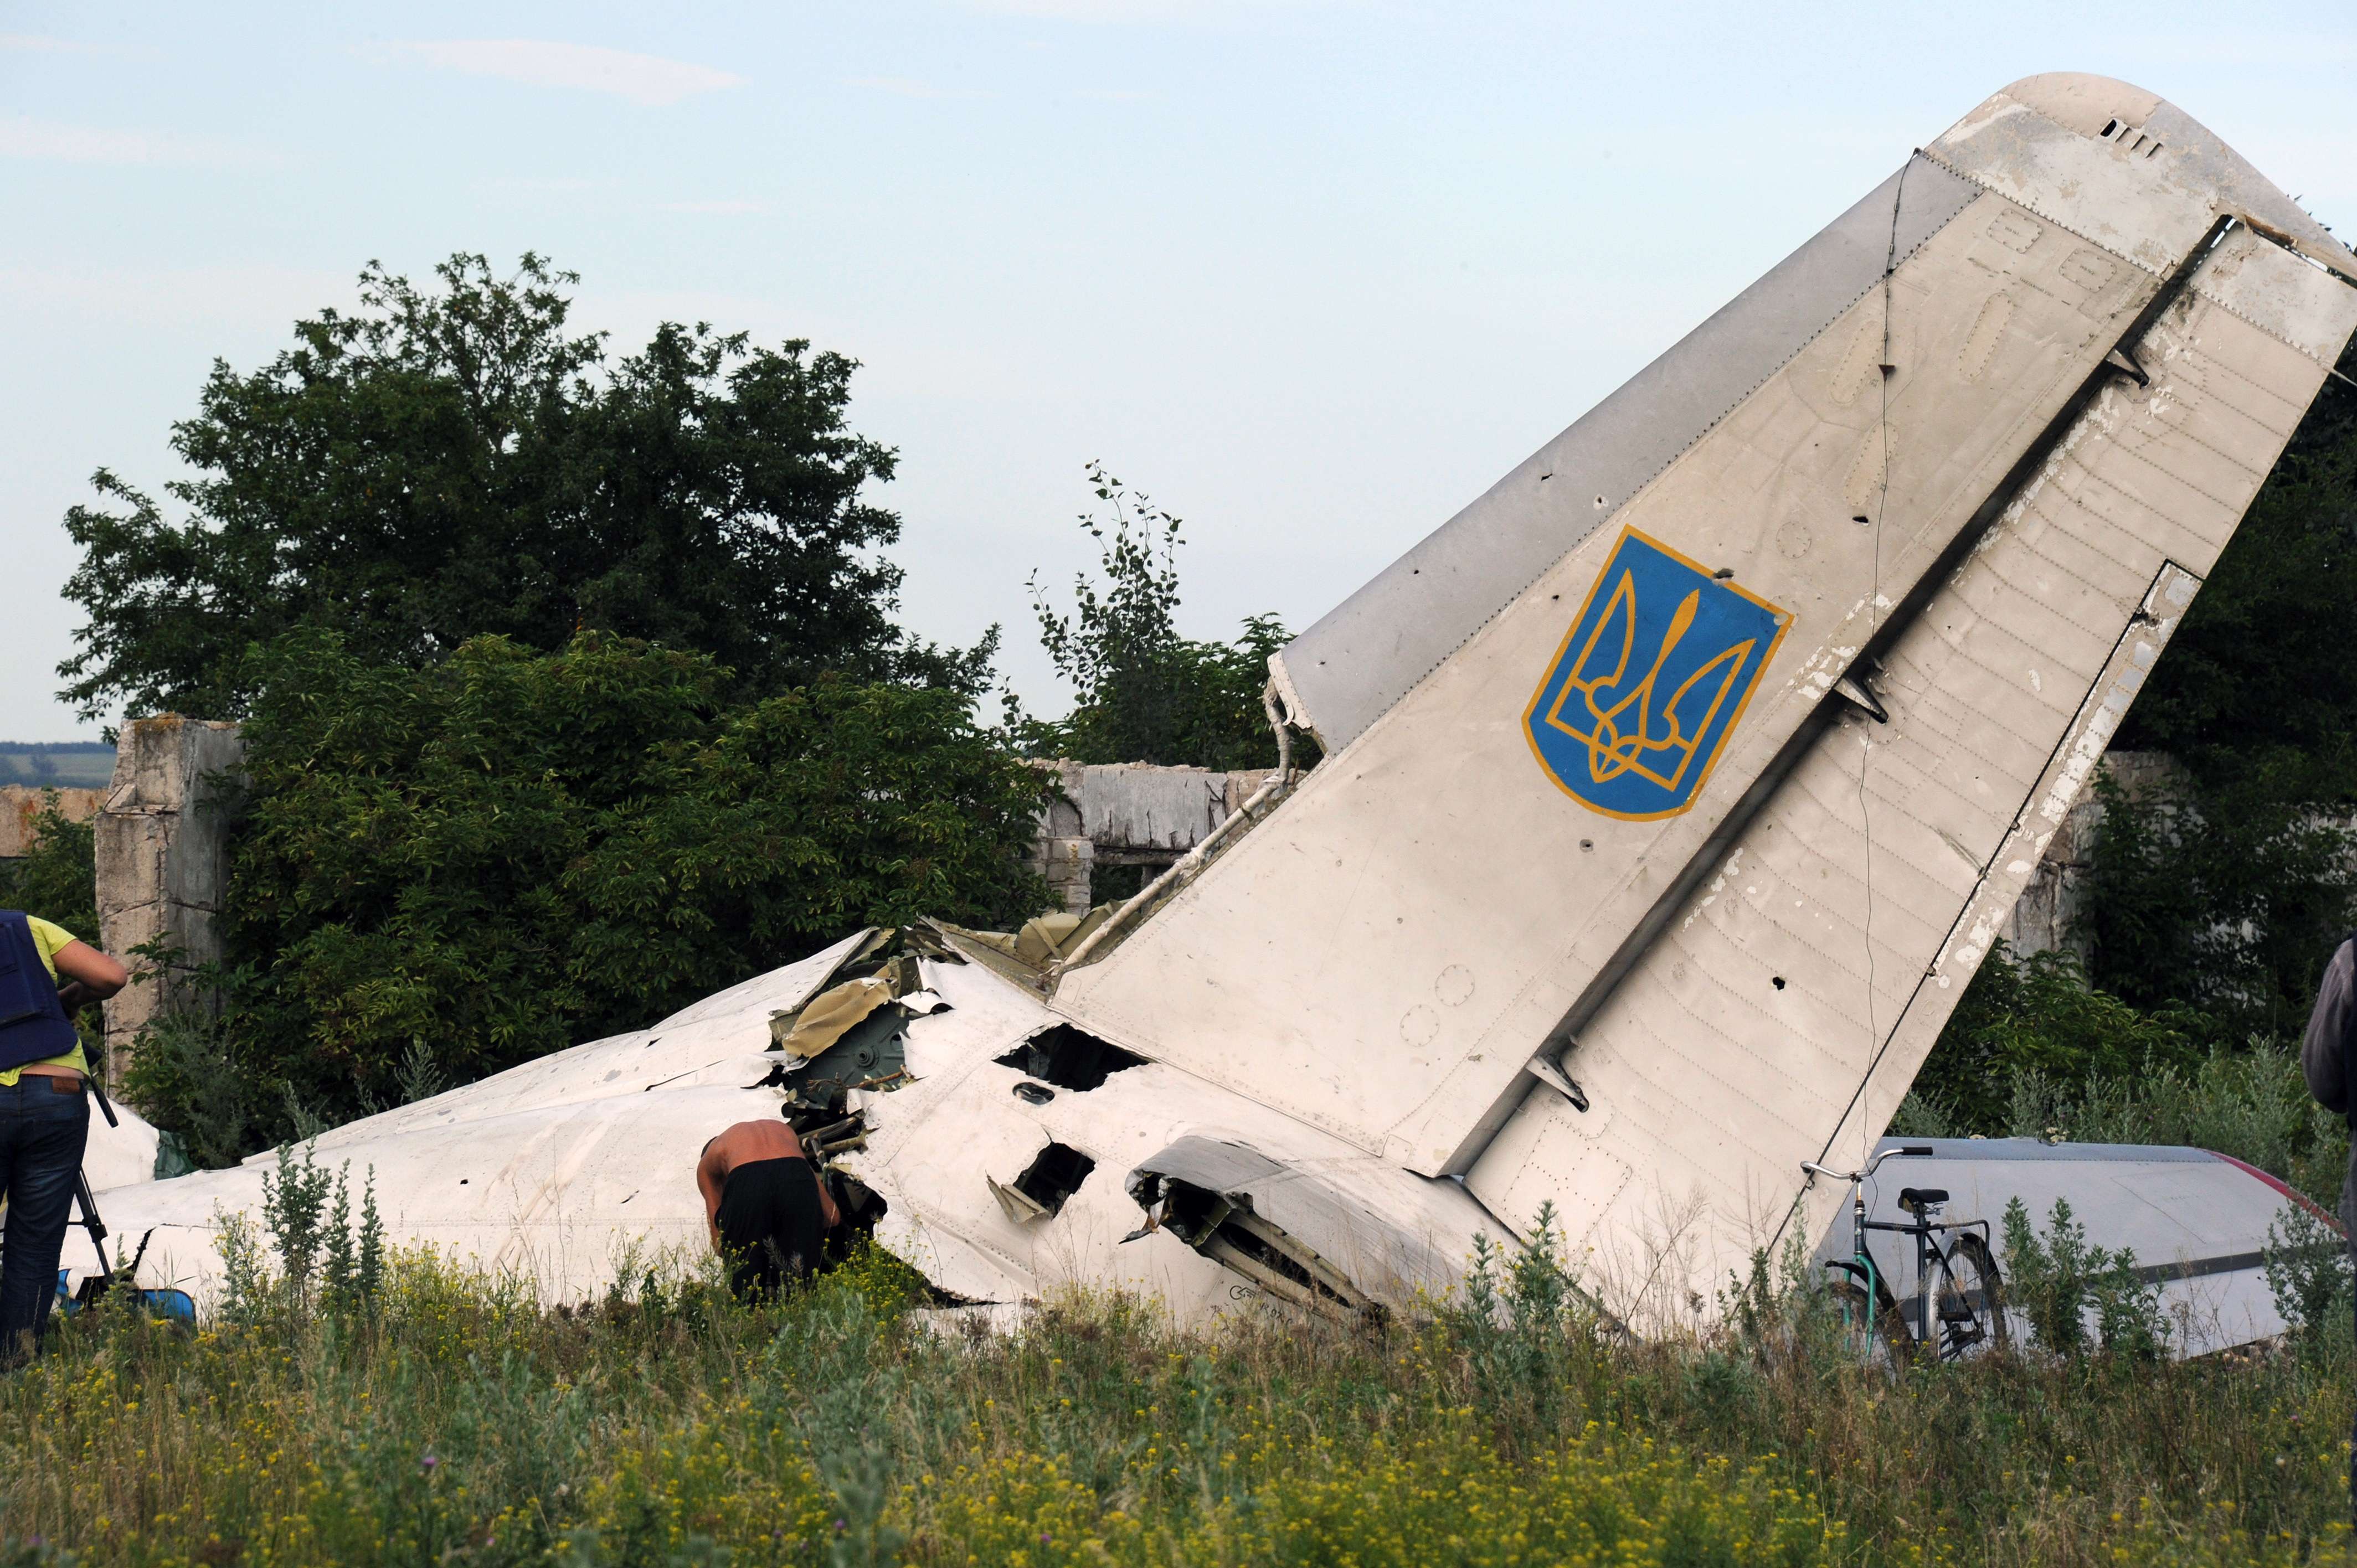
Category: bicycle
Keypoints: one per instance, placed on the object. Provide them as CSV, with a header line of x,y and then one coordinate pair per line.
x,y
1969,1299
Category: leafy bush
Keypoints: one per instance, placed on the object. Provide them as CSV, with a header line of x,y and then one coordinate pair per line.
x,y
324,1263
185,1077
1144,694
2308,1272
2251,1105
442,873
1519,1321
2039,1015
2222,896
2056,1279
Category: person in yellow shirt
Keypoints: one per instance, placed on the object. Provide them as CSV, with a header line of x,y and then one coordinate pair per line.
x,y
46,976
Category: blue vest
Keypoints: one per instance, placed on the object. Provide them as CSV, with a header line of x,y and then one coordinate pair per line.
x,y
33,1022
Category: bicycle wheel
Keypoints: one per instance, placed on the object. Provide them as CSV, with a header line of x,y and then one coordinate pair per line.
x,y
1889,1325
1971,1300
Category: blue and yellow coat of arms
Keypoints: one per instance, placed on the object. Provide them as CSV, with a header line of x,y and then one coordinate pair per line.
x,y
1649,682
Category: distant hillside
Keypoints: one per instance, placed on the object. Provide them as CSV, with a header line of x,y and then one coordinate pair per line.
x,y
68,764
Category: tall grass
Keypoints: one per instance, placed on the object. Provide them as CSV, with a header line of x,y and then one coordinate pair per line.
x,y
456,1419
422,1413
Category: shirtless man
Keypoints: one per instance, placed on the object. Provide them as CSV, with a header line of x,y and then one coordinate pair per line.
x,y
769,1211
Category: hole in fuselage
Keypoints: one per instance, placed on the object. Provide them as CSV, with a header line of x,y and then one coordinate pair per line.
x,y
1070,1059
1054,1175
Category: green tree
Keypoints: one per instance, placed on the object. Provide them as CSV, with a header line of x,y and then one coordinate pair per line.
x,y
2229,887
2259,676
2039,1015
443,873
1144,694
453,461
2223,892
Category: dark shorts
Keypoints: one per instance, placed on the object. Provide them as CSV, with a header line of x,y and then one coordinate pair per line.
x,y
44,1122
772,1229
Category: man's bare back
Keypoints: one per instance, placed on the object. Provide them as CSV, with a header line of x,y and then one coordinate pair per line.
x,y
748,1141
742,1144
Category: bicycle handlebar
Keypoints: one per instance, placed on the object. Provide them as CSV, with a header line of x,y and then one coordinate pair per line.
x,y
1909,1150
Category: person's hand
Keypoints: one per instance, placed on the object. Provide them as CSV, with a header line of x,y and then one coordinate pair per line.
x,y
73,996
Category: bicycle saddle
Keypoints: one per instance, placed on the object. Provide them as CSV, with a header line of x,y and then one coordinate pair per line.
x,y
1915,1200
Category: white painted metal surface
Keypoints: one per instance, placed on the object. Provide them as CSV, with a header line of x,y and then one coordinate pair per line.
x,y
2198,1218
565,1170
1965,458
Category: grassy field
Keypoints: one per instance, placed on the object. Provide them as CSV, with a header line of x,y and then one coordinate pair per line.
x,y
450,1418
455,1421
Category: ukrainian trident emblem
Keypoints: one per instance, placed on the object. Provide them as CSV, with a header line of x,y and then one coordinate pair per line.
x,y
1649,682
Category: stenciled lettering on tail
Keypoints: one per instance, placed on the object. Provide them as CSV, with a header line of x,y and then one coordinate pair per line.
x,y
1650,680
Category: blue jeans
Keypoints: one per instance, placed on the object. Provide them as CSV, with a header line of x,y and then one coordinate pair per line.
x,y
42,1131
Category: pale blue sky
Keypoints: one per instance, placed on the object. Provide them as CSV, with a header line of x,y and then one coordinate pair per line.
x,y
1313,275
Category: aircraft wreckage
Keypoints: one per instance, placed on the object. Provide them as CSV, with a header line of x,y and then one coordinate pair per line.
x,y
1671,792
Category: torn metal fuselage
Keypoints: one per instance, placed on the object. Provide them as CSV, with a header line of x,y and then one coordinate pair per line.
x,y
985,1140
1222,1227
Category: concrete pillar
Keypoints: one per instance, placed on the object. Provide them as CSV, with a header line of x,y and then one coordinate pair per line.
x,y
1069,867
162,848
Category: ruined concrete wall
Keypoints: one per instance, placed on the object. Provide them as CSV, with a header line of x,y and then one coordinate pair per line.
x,y
1129,813
2045,919
162,841
21,806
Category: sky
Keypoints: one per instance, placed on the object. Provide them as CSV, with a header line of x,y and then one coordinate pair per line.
x,y
1312,275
